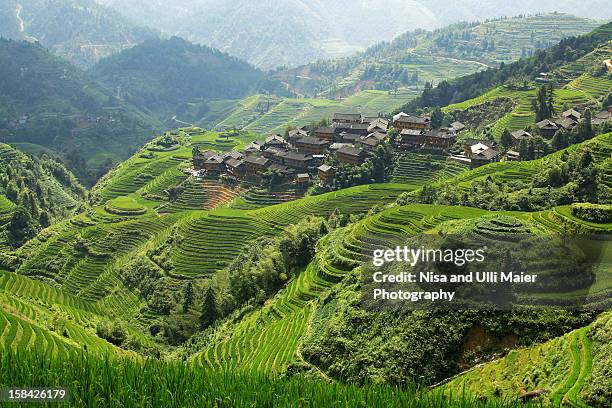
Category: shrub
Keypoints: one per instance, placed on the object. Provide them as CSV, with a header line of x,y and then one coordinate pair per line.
x,y
592,212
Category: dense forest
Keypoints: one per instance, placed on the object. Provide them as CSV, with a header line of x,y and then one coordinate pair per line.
x,y
165,74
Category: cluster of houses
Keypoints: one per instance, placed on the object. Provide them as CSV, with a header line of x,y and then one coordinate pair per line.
x,y
568,120
352,137
417,132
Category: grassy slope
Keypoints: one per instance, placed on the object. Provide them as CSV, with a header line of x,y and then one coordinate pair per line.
x,y
268,339
421,52
263,114
581,89
563,367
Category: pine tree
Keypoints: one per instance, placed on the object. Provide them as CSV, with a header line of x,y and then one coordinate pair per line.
x,y
209,309
187,297
437,117
524,149
506,139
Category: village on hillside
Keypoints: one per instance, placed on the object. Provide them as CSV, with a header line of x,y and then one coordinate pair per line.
x,y
308,155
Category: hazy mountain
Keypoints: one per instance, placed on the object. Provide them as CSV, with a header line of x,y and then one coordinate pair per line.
x,y
81,31
165,74
416,57
271,33
45,101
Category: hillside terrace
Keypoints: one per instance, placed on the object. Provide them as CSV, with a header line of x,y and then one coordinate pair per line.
x,y
353,138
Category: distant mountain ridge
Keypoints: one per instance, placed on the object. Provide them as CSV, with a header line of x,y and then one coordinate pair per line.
x,y
45,101
420,56
290,33
163,75
81,31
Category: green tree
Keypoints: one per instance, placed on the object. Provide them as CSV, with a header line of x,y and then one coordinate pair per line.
x,y
524,149
506,139
209,309
187,297
437,117
21,227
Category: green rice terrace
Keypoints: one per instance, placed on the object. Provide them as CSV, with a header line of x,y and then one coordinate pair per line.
x,y
561,368
419,169
580,88
267,114
73,279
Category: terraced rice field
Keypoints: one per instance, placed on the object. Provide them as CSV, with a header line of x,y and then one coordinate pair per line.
x,y
210,240
6,205
419,169
560,366
269,339
39,318
281,112
257,198
200,195
284,321
581,89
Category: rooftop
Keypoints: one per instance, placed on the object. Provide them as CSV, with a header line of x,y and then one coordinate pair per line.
x,y
234,162
347,116
325,168
262,161
309,140
351,151
546,124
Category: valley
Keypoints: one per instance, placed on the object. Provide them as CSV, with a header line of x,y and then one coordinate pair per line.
x,y
180,228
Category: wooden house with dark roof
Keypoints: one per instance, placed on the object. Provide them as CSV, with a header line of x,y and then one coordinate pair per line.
x,y
302,180
214,164
370,142
235,167
346,118
482,156
199,158
326,133
358,128
411,138
411,122
297,160
547,128
519,135
351,155
326,174
296,134
311,145
457,126
253,148
468,145
352,138
232,154
256,164
274,154
378,125
565,123
572,114
276,141
438,139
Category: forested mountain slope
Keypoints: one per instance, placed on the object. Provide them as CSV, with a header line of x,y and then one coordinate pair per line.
x,y
167,75
80,31
420,56
34,193
290,33
45,101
